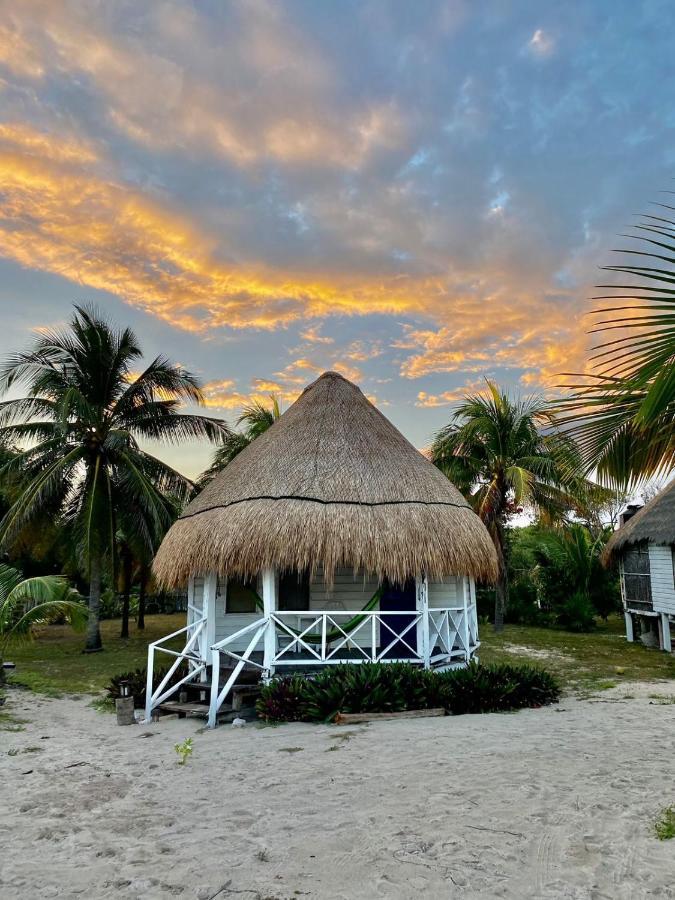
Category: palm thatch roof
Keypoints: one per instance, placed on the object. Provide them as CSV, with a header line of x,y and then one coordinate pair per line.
x,y
331,483
655,522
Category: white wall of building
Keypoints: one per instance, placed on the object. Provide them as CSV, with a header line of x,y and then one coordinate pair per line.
x,y
348,592
662,578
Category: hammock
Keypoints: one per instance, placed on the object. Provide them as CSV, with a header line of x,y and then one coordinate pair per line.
x,y
336,633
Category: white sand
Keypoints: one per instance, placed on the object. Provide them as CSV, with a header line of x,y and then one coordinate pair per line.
x,y
556,802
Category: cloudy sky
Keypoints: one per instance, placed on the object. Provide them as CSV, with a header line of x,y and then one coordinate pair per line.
x,y
415,194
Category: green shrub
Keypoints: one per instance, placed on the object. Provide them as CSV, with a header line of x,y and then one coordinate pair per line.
x,y
523,608
282,700
664,827
138,679
394,687
496,688
577,613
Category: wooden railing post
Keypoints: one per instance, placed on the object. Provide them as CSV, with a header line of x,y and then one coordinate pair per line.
x,y
209,606
465,622
269,589
423,608
215,687
148,683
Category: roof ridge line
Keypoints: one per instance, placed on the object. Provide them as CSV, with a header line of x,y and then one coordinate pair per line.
x,y
368,503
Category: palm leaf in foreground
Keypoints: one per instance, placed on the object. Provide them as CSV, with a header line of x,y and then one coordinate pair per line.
x,y
623,414
30,602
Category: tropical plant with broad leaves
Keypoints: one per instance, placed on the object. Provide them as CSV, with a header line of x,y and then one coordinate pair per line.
x,y
622,414
568,563
27,603
504,455
79,427
256,419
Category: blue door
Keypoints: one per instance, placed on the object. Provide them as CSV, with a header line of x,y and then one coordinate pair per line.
x,y
397,598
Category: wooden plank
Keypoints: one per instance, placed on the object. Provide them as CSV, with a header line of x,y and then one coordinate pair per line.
x,y
355,718
175,706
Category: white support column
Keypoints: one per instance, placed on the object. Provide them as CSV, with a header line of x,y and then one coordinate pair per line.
x,y
630,634
665,628
466,601
269,596
191,618
423,627
209,607
473,613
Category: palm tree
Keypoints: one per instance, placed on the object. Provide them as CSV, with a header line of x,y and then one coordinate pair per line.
x,y
25,603
80,424
257,418
137,542
503,455
623,419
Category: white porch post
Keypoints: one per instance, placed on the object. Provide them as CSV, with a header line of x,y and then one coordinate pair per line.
x,y
466,601
269,591
665,628
423,628
630,634
473,615
209,608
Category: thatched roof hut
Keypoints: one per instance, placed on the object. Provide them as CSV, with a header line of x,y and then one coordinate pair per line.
x,y
654,523
331,483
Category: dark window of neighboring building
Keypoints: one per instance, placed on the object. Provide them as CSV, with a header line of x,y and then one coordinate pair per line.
x,y
241,595
294,590
636,576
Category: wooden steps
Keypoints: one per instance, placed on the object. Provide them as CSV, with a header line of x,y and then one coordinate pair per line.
x,y
241,697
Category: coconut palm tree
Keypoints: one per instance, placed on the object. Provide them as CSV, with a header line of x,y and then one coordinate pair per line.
x,y
256,418
623,419
137,541
25,603
80,424
504,456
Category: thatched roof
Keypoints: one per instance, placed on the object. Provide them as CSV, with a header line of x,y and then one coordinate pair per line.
x,y
331,483
655,522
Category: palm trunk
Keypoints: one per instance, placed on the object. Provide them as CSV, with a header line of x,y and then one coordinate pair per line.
x,y
93,642
501,600
141,599
126,587
502,586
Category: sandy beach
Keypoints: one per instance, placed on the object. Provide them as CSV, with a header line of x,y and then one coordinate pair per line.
x,y
550,803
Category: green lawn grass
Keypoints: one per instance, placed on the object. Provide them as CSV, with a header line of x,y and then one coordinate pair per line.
x,y
55,664
581,661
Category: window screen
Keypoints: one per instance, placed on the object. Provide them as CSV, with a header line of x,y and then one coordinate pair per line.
x,y
294,590
241,596
636,575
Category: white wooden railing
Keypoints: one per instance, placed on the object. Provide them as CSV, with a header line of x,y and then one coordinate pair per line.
x,y
322,638
192,651
432,637
218,695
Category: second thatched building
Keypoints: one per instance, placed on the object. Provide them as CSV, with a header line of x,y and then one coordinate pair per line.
x,y
644,548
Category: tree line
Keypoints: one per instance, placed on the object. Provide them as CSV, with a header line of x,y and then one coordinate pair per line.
x,y
80,490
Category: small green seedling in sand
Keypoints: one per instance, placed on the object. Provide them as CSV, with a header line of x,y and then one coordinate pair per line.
x,y
664,827
184,750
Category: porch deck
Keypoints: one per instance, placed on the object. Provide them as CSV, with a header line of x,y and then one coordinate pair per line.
x,y
433,638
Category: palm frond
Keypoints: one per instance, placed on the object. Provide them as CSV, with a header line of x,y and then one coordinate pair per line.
x,y
623,414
